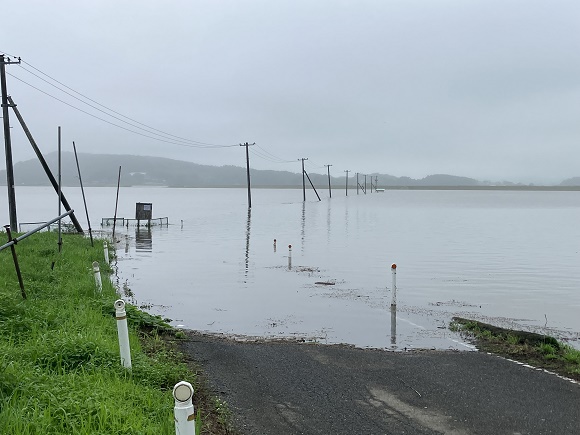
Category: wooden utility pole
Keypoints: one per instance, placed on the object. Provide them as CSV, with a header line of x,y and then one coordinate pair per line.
x,y
116,204
83,192
329,188
59,193
303,180
7,143
248,171
346,184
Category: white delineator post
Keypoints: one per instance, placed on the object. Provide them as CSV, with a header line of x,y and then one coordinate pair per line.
x,y
97,273
289,256
394,299
123,333
106,251
183,410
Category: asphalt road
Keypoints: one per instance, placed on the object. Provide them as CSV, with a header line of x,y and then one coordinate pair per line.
x,y
292,388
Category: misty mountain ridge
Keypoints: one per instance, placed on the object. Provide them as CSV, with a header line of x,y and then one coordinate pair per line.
x,y
103,170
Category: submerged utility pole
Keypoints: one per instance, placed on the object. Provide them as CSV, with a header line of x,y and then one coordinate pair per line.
x,y
329,188
7,143
248,170
303,180
346,184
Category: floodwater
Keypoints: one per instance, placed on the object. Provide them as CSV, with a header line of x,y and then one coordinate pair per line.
x,y
504,257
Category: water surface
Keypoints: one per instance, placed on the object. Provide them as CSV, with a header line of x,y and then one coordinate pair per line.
x,y
504,257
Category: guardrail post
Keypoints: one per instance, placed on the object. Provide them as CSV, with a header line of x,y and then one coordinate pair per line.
x,y
183,410
97,273
106,251
15,258
123,333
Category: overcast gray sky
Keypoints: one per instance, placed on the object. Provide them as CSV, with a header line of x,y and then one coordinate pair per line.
x,y
487,89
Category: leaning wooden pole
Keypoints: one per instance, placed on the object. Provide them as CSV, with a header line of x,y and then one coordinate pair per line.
x,y
83,192
15,258
44,164
306,173
116,203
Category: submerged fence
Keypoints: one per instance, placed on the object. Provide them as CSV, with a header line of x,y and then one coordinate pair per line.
x,y
124,222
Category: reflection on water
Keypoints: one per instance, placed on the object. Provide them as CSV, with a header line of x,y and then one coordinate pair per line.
x,y
248,227
328,221
394,326
303,226
143,239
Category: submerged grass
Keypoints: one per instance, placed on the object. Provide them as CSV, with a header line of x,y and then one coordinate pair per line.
x,y
538,350
60,369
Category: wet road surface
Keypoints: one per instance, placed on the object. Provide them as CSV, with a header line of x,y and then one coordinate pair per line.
x,y
292,388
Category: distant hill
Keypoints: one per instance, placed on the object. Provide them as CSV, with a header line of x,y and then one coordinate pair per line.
x,y
102,170
574,181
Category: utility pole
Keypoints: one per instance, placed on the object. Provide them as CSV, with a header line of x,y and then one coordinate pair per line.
x,y
248,170
346,184
357,183
7,143
329,188
303,180
59,193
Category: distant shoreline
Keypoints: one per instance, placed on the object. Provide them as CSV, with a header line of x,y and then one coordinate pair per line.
x,y
350,188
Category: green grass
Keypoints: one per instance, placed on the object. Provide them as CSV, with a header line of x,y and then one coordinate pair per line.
x,y
60,369
539,350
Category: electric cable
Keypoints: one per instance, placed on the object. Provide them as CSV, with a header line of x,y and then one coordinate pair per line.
x,y
102,105
117,125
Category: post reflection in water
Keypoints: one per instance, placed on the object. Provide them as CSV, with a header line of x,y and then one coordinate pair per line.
x,y
303,223
328,221
393,326
143,239
346,219
248,227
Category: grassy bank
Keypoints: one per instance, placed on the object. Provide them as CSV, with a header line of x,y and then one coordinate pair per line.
x,y
60,368
538,350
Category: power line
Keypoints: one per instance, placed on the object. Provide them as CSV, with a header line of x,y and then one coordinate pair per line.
x,y
120,126
264,156
102,105
275,157
115,117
